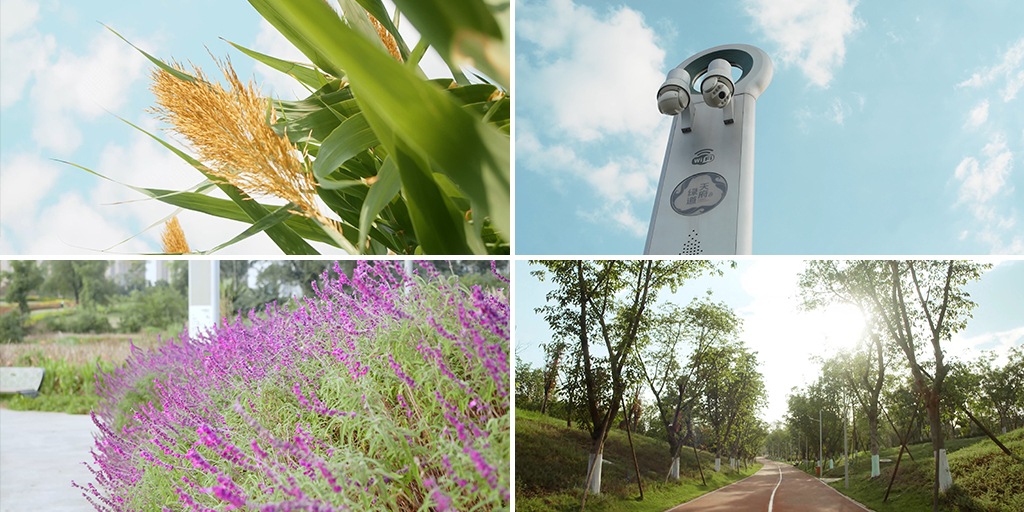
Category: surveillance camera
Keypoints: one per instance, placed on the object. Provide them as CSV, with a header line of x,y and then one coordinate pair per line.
x,y
674,94
717,87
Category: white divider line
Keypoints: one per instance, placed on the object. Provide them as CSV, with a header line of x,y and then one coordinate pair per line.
x,y
851,500
771,502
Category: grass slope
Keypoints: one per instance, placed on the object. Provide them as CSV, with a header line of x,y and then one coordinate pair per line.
x,y
985,479
551,470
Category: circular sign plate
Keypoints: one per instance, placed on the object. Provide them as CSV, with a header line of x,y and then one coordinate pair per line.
x,y
699,193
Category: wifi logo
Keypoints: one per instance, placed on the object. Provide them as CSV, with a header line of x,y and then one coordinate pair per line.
x,y
704,156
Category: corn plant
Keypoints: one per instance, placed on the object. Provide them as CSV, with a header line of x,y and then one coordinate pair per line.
x,y
385,391
403,164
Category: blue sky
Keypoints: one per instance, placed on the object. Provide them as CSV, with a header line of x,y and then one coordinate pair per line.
x,y
764,293
63,77
888,128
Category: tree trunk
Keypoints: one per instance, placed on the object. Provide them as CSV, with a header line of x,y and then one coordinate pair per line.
x,y
943,479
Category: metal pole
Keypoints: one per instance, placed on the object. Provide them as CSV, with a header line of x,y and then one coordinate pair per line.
x,y
846,450
821,463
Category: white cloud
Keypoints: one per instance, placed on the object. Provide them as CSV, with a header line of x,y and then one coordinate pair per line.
x,y
1008,69
967,348
809,33
980,183
838,111
25,179
82,86
597,75
978,115
983,181
592,80
23,50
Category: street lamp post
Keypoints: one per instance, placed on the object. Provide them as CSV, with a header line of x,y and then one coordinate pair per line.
x,y
820,456
705,198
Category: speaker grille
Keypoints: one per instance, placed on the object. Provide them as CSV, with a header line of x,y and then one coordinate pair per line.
x,y
692,245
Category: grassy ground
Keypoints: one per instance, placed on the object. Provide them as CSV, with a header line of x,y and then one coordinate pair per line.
x,y
551,470
70,362
985,479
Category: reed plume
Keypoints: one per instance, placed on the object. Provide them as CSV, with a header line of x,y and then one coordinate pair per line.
x,y
173,238
230,131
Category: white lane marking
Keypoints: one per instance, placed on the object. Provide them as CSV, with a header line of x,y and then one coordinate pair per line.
x,y
771,502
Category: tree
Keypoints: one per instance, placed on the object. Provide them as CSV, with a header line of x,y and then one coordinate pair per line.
x,y
23,278
733,391
926,300
701,325
826,282
85,281
553,353
608,300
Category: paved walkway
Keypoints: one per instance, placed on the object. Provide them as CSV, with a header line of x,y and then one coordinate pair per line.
x,y
774,488
40,454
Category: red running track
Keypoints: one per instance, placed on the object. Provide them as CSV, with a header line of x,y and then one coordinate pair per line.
x,y
775,488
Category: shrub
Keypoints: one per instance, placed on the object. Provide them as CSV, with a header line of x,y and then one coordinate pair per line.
x,y
157,306
12,327
81,322
382,392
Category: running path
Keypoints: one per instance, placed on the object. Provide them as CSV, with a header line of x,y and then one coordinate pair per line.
x,y
40,454
774,488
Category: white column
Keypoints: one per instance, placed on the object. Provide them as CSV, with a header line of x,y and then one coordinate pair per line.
x,y
203,296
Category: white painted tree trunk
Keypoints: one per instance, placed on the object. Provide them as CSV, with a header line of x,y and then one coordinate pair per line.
x,y
945,477
595,481
673,473
831,463
875,471
732,462
718,464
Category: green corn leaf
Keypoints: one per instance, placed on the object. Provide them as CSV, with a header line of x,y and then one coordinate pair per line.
x,y
300,72
437,226
226,209
350,138
387,186
280,215
161,64
264,7
474,155
464,32
360,22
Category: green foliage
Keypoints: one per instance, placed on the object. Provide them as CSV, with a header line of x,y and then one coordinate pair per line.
x,y
81,322
12,327
157,306
529,386
84,281
551,467
408,165
23,278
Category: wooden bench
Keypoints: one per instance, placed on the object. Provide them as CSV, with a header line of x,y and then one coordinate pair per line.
x,y
25,381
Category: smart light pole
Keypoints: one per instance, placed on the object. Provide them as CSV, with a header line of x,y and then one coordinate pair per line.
x,y
705,198
203,295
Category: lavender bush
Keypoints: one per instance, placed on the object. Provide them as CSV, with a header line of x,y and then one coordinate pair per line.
x,y
382,392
